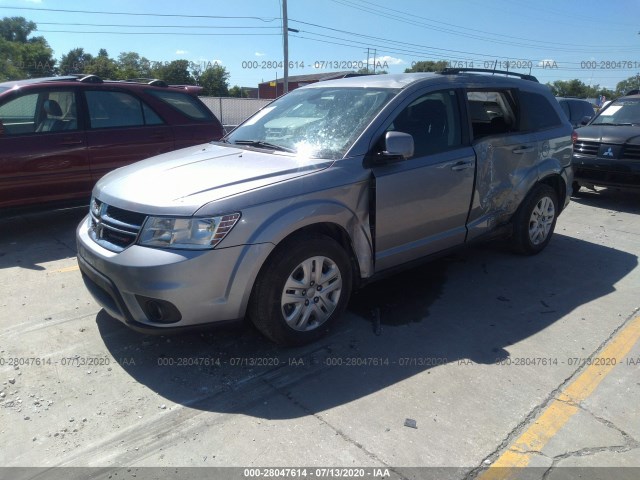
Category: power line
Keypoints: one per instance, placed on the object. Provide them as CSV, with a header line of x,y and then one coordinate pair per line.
x,y
535,64
263,19
161,33
540,43
151,26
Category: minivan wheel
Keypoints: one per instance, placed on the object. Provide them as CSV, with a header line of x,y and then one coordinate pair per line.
x,y
535,220
301,290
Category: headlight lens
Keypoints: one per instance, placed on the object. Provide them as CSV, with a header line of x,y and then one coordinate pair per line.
x,y
191,233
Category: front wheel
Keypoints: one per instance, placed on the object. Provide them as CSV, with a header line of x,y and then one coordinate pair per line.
x,y
302,289
535,220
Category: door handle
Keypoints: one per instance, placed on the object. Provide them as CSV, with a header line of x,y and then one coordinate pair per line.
x,y
462,166
524,149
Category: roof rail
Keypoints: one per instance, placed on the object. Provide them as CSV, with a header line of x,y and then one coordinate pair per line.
x,y
88,78
156,82
455,71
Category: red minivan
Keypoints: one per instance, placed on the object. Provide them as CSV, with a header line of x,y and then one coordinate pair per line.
x,y
59,135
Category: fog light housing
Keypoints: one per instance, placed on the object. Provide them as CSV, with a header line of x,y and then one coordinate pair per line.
x,y
159,311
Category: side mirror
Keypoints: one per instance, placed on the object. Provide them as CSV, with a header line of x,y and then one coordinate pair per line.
x,y
585,120
398,144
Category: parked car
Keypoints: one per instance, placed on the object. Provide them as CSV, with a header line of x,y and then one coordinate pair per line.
x,y
323,190
59,135
607,151
578,111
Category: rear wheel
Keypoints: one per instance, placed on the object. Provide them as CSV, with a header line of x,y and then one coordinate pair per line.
x,y
302,290
535,220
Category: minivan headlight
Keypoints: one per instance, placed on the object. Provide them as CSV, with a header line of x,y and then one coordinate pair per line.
x,y
193,233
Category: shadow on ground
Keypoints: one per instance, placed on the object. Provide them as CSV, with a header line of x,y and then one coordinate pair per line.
x,y
471,305
31,239
610,198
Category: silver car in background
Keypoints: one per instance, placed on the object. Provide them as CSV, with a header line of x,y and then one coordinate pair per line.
x,y
322,191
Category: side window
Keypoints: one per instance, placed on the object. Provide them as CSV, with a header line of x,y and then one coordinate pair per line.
x,y
43,112
565,109
434,122
582,109
19,115
118,109
183,102
491,112
150,117
536,112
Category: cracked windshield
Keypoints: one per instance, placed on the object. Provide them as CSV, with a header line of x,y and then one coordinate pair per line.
x,y
318,123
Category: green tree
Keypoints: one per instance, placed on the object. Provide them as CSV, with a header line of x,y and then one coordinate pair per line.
x,y
215,81
132,65
16,29
370,71
577,88
103,66
75,61
427,66
175,73
625,86
21,56
237,91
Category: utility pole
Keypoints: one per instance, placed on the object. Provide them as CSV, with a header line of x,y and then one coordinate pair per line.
x,y
375,51
285,35
367,60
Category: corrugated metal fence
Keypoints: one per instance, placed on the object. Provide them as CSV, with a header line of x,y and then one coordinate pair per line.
x,y
233,111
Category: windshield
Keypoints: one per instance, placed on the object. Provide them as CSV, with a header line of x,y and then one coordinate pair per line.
x,y
620,112
315,122
2,89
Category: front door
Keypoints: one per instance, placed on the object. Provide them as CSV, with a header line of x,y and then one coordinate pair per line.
x,y
422,203
43,156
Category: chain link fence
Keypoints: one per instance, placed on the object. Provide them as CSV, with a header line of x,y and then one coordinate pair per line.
x,y
233,111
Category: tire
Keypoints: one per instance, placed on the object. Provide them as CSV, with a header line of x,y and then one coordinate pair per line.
x,y
292,303
535,220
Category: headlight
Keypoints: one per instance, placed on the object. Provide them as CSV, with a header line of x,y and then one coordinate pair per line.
x,y
191,233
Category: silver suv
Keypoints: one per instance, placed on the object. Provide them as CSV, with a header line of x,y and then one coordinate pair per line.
x,y
320,192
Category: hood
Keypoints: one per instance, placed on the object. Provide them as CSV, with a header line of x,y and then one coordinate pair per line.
x,y
616,134
182,181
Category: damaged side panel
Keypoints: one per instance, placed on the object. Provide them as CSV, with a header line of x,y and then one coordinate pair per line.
x,y
502,180
507,169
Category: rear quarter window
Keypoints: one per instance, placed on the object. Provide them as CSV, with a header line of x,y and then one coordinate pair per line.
x,y
184,103
536,113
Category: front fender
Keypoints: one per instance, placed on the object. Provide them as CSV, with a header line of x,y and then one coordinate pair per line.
x,y
346,207
283,223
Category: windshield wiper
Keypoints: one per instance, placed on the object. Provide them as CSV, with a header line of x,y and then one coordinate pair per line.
x,y
616,124
262,144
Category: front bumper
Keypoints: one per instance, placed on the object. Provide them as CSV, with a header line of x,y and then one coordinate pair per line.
x,y
195,287
589,171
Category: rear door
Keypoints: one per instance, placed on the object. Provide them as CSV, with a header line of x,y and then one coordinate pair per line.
x,y
43,155
122,129
422,203
198,124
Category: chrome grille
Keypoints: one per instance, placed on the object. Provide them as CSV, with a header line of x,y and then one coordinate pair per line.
x,y
114,228
585,148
